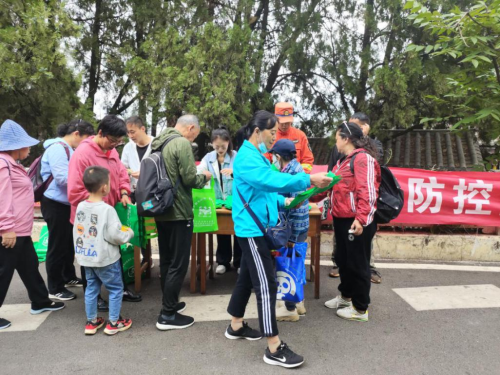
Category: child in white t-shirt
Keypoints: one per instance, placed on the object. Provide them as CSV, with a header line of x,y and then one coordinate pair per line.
x,y
97,236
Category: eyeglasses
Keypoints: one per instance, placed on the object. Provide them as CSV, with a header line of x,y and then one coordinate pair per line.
x,y
113,141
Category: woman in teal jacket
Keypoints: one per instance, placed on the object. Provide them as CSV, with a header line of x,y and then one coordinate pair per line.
x,y
259,185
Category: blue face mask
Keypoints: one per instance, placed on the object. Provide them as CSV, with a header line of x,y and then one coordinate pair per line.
x,y
262,147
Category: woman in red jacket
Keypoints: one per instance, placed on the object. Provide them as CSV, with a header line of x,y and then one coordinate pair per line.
x,y
354,202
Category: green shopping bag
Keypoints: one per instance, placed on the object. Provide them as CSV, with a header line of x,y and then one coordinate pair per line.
x,y
205,217
150,229
314,191
128,217
127,252
42,245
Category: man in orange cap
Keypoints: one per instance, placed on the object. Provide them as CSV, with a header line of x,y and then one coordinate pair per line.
x,y
284,112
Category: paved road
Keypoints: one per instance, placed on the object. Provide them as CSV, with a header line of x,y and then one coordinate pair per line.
x,y
398,339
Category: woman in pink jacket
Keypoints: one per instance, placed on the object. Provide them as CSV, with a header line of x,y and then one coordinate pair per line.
x,y
16,221
100,150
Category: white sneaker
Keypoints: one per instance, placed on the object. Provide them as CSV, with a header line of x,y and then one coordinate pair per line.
x,y
350,313
338,303
301,308
220,270
283,315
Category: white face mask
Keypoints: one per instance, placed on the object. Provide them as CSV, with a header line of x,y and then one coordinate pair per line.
x,y
276,162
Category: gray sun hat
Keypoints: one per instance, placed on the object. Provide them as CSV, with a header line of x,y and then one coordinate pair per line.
x,y
14,137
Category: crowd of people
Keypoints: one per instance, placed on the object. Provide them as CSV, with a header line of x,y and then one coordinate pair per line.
x,y
270,164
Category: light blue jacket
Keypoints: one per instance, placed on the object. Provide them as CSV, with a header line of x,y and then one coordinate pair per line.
x,y
55,162
209,163
259,185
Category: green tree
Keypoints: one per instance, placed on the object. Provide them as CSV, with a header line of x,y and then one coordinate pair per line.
x,y
362,66
469,39
37,89
203,71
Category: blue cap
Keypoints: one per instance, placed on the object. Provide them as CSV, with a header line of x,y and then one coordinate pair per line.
x,y
284,147
14,137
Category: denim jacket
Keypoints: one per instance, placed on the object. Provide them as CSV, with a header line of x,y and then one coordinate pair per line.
x,y
209,163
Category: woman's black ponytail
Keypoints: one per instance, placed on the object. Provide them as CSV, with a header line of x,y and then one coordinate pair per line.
x,y
262,120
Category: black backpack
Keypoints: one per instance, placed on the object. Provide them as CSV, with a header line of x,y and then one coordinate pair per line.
x,y
35,174
391,197
155,193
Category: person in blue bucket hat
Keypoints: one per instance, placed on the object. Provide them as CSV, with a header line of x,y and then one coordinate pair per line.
x,y
16,221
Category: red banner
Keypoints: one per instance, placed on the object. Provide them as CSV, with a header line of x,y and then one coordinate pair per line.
x,y
453,198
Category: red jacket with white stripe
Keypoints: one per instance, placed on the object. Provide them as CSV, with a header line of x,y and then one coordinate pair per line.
x,y
355,195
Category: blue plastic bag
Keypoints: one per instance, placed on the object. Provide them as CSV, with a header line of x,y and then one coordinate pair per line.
x,y
291,273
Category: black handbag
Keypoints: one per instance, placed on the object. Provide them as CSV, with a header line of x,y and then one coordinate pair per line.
x,y
276,237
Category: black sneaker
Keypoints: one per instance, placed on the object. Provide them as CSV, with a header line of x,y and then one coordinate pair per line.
x,y
74,283
4,323
283,357
102,305
179,322
180,307
244,332
64,295
49,306
129,296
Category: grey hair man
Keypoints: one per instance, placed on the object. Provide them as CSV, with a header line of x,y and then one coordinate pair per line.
x,y
188,126
175,227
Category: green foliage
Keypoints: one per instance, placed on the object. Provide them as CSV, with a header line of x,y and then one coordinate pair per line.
x,y
37,89
203,71
404,63
470,39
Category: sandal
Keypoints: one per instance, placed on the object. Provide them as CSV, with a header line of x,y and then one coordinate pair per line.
x,y
376,276
334,272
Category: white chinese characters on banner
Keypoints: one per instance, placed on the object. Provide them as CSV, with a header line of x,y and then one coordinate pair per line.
x,y
474,188
422,201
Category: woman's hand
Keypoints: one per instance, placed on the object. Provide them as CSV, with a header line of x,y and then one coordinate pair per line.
x,y
125,198
357,228
288,201
135,174
9,240
227,171
320,180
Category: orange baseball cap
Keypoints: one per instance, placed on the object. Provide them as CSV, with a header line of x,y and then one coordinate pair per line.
x,y
284,112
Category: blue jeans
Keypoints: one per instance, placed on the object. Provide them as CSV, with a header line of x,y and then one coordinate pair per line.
x,y
111,277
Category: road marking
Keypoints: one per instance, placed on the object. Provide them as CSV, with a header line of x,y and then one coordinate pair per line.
x,y
451,297
440,267
214,307
22,320
411,266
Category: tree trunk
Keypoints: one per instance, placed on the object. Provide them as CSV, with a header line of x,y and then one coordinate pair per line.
x,y
155,119
139,39
95,58
283,56
365,56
